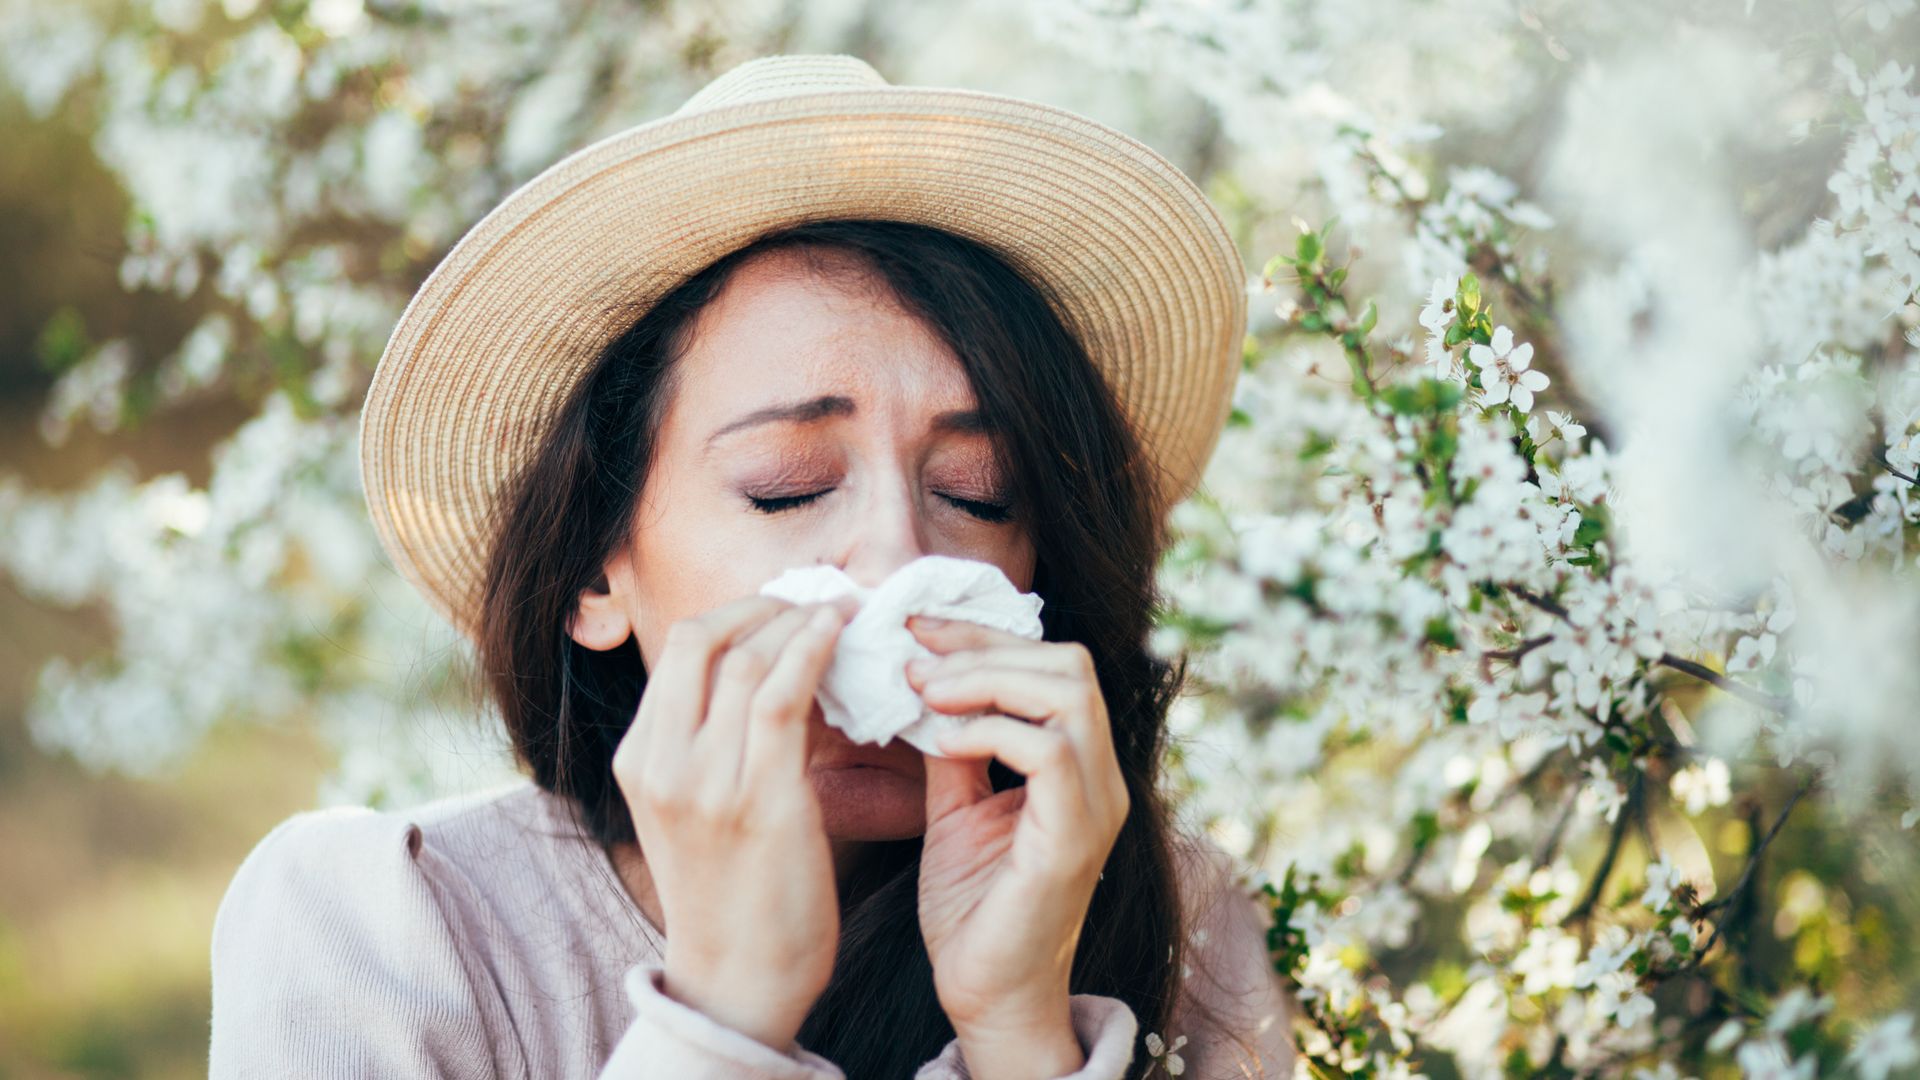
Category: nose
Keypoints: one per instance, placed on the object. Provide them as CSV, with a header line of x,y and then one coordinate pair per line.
x,y
884,533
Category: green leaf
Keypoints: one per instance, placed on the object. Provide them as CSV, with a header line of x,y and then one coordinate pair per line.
x,y
1307,252
1368,318
1591,531
62,342
1466,298
1426,829
1402,398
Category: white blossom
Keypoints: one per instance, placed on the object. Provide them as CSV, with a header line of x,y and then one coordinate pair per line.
x,y
1504,370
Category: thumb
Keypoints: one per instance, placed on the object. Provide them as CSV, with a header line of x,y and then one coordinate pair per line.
x,y
955,784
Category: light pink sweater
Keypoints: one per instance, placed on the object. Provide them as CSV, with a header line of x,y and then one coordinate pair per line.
x,y
488,936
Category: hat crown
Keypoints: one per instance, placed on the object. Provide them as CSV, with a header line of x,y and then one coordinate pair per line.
x,y
783,76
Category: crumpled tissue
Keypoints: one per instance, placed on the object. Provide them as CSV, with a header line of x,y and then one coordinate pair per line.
x,y
864,691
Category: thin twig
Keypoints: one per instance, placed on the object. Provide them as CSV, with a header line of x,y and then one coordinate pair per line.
x,y
1737,689
1880,457
1605,869
1753,859
1544,604
1746,874
1518,651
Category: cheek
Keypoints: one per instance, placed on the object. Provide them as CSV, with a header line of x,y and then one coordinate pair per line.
x,y
689,560
1011,551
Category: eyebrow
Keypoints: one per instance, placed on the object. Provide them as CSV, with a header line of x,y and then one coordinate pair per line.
x,y
962,420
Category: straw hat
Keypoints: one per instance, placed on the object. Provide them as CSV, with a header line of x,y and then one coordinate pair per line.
x,y
515,313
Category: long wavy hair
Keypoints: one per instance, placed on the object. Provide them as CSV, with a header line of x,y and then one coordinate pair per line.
x,y
1082,487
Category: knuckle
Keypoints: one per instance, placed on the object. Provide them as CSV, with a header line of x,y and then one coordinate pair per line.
x,y
744,664
1056,750
627,760
1079,658
716,806
663,801
771,705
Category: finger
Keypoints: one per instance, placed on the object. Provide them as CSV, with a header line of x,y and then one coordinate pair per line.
x,y
720,742
1067,703
954,784
946,635
1056,658
1045,756
675,698
777,729
1068,659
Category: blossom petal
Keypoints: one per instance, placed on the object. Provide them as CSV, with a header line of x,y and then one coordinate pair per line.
x,y
1521,356
1502,341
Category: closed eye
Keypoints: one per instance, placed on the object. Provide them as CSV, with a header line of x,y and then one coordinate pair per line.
x,y
985,511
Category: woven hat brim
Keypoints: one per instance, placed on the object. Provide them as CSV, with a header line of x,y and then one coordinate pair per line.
x,y
517,310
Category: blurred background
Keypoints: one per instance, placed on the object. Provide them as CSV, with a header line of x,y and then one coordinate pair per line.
x,y
131,128
213,211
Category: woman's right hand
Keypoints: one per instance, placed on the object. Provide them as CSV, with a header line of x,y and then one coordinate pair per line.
x,y
714,771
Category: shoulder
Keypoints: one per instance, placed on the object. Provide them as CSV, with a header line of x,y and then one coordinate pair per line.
x,y
354,856
1218,894
1233,1006
339,938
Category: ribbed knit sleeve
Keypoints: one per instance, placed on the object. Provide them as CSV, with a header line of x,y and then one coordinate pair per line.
x,y
331,958
671,1038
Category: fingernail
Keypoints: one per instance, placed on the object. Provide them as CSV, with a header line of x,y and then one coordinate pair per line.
x,y
929,621
919,666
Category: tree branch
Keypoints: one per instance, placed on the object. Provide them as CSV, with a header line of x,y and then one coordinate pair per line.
x,y
1605,870
1740,690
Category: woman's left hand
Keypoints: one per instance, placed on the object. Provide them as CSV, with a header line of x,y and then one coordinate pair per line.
x,y
1006,878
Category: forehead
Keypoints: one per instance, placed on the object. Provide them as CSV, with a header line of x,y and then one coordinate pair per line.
x,y
785,328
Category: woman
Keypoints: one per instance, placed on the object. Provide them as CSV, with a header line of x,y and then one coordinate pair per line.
x,y
919,322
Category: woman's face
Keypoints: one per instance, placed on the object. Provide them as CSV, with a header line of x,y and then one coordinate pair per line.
x,y
813,421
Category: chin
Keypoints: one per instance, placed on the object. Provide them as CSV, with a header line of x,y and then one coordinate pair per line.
x,y
866,792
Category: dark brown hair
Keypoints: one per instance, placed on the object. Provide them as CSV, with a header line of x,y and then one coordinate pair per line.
x,y
1080,485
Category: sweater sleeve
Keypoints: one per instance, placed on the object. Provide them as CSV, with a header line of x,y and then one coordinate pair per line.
x,y
331,957
1104,1026
671,1038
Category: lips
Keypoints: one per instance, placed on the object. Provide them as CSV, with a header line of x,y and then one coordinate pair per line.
x,y
836,751
856,761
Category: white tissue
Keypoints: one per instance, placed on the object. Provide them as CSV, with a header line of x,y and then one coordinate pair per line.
x,y
865,692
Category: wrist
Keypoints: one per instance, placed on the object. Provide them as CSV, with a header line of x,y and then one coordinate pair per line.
x,y
772,1024
1036,1043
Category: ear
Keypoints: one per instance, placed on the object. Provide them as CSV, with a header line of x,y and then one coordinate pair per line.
x,y
602,616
